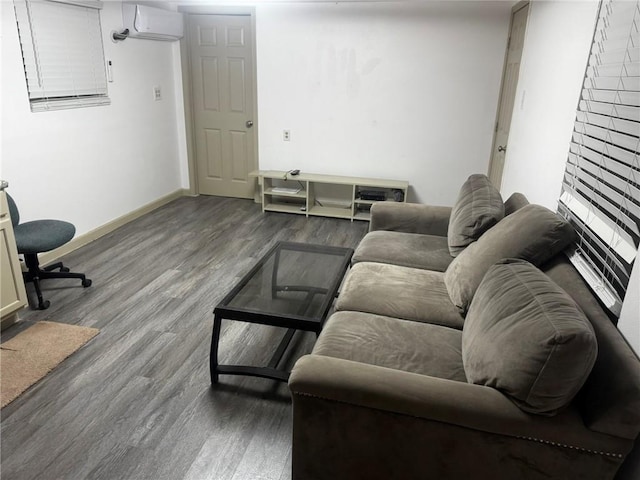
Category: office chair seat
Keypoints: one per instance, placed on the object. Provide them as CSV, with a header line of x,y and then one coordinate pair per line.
x,y
40,236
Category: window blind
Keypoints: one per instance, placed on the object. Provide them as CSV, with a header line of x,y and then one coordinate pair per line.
x,y
62,52
601,185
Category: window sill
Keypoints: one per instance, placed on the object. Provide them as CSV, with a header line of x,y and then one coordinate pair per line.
x,y
46,105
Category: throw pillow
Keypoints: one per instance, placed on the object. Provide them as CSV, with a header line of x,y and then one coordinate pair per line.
x,y
533,233
479,207
526,337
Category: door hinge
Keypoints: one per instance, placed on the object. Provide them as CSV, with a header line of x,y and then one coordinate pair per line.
x,y
508,42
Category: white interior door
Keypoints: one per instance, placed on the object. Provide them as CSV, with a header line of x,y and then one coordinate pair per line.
x,y
223,103
508,93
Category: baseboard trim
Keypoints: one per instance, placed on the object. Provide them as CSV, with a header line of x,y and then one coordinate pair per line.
x,y
101,231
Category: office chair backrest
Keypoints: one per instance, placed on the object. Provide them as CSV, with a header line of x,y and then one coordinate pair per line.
x,y
13,211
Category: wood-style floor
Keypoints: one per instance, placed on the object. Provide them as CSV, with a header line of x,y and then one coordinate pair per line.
x,y
136,402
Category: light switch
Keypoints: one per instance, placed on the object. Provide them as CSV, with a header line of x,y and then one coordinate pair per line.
x,y
157,93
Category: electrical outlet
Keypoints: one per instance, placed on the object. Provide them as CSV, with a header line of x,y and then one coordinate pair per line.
x,y
157,93
286,135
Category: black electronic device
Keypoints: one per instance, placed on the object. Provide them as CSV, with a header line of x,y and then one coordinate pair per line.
x,y
374,195
295,172
398,195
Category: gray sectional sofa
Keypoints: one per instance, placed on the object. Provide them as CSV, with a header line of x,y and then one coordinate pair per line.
x,y
465,345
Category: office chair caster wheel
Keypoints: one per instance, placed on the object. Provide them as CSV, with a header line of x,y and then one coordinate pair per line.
x,y
64,269
86,283
44,305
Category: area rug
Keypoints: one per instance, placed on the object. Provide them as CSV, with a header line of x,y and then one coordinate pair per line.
x,y
32,354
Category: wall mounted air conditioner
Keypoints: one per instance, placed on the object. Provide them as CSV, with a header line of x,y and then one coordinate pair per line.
x,y
152,23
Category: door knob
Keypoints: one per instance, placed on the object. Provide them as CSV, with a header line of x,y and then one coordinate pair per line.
x,y
501,148
249,123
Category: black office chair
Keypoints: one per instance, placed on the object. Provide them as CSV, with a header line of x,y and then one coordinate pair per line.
x,y
37,237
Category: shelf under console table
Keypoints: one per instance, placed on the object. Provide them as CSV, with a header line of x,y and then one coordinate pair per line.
x,y
335,196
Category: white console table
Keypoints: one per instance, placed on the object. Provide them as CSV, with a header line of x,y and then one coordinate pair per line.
x,y
314,194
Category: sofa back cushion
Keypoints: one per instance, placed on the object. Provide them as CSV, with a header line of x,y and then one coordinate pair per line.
x,y
533,233
514,202
479,207
526,337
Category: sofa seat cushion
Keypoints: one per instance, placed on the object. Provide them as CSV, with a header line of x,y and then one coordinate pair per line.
x,y
526,337
413,347
533,233
401,292
429,252
479,207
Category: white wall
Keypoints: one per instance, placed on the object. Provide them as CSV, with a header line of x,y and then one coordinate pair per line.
x,y
398,90
405,90
558,39
557,43
629,323
92,165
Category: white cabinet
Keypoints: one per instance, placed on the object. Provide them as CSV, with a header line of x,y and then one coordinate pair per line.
x,y
12,292
336,196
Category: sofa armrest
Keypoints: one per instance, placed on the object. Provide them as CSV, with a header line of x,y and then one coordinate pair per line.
x,y
435,399
410,218
359,421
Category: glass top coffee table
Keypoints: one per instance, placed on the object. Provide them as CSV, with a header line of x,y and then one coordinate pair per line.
x,y
292,286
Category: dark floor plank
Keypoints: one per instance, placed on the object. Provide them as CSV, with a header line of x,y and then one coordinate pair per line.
x,y
136,401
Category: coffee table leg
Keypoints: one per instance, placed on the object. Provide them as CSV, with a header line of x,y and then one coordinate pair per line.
x,y
213,356
274,275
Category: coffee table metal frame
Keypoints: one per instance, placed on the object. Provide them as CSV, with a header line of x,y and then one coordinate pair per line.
x,y
292,322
